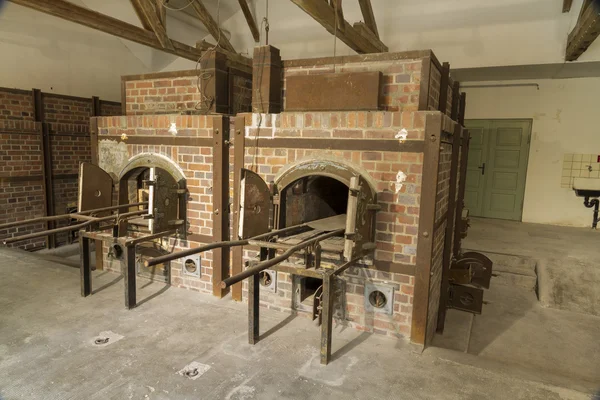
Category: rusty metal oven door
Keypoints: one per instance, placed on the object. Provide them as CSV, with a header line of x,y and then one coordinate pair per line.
x,y
255,205
95,188
359,235
164,200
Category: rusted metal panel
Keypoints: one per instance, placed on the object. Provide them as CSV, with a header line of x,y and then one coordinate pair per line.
x,y
460,204
444,87
455,100
254,205
48,181
220,198
162,140
433,129
358,58
466,298
334,92
450,217
238,163
409,146
480,266
461,108
95,188
266,80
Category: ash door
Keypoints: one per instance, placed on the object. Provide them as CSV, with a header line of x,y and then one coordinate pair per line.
x,y
164,200
95,188
255,205
360,220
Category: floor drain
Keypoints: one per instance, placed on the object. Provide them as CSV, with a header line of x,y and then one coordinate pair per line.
x,y
192,373
100,341
194,370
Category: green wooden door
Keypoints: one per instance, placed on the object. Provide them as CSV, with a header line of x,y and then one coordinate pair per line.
x,y
497,169
478,148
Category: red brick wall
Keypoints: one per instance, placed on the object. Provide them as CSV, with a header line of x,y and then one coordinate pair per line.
x,y
401,79
242,94
435,84
196,163
16,104
110,108
21,156
68,118
67,113
397,222
162,95
166,93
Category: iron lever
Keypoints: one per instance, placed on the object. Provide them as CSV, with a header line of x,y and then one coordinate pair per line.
x,y
482,168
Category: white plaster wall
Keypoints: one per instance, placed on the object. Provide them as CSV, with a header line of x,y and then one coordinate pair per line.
x,y
565,115
466,33
48,53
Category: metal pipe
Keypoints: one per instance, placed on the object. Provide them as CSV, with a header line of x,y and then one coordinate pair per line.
x,y
71,215
72,227
501,85
217,245
276,260
595,203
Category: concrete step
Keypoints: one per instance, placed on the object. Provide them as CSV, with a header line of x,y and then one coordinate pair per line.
x,y
512,270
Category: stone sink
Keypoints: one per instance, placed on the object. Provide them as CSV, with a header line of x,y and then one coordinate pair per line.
x,y
587,187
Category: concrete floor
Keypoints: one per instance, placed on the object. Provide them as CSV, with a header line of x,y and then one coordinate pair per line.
x,y
47,349
555,338
568,259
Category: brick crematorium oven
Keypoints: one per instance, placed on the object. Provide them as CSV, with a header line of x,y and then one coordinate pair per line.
x,y
328,188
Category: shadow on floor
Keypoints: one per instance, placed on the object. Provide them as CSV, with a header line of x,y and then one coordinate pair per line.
x,y
153,295
350,345
473,334
277,327
106,285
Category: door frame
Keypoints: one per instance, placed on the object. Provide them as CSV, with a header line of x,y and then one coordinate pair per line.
x,y
530,120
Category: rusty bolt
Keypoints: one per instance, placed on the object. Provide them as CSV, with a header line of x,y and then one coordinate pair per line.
x,y
425,234
432,138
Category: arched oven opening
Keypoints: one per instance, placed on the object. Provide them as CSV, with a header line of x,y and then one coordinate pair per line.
x,y
322,200
166,204
313,198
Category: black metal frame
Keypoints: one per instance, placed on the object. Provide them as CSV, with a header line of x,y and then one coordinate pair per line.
x,y
128,245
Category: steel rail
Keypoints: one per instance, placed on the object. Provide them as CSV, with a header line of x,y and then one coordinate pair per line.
x,y
217,245
276,260
71,215
73,227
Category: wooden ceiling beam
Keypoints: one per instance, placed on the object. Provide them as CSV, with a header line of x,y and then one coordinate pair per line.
x,y
149,17
567,5
586,30
211,25
250,19
161,11
324,14
95,20
367,12
141,15
337,7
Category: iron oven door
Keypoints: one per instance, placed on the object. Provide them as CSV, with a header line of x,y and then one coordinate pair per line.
x,y
255,205
95,187
165,202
